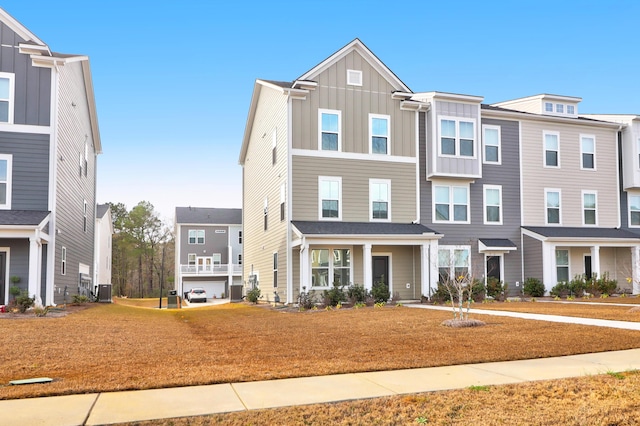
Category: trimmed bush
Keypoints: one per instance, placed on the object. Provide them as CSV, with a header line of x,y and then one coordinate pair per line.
x,y
253,295
306,299
357,294
380,292
496,289
533,287
560,290
24,302
335,295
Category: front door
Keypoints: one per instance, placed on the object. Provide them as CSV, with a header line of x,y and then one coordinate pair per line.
x,y
380,269
493,267
588,271
3,287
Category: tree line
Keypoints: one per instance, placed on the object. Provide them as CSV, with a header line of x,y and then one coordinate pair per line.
x,y
142,252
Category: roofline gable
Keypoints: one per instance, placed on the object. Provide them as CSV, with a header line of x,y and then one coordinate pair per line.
x,y
18,28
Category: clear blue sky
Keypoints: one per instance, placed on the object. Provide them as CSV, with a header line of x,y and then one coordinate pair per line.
x,y
173,80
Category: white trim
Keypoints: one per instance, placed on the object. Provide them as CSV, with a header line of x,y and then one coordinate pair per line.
x,y
555,263
484,203
389,255
7,272
499,146
26,128
486,271
451,249
371,135
331,112
457,137
289,246
11,99
353,156
595,194
330,248
337,179
629,195
417,130
451,203
593,137
275,263
63,260
544,148
9,182
546,213
386,182
354,77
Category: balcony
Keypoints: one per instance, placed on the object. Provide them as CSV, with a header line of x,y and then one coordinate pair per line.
x,y
211,270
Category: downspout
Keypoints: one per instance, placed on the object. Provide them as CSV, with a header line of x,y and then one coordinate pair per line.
x,y
53,178
289,202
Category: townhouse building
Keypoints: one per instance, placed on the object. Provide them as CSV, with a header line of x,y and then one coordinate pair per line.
x,y
350,177
49,142
208,250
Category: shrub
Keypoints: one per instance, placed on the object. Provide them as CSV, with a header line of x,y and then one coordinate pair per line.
x,y
604,285
306,299
253,295
356,293
440,295
533,287
24,302
380,292
560,290
578,285
335,295
79,299
496,289
478,291
41,311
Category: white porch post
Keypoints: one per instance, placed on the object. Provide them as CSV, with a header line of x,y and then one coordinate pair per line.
x,y
230,270
305,272
366,265
34,268
432,262
549,273
424,270
635,269
595,261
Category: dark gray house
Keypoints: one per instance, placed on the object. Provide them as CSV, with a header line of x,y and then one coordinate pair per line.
x,y
49,140
208,250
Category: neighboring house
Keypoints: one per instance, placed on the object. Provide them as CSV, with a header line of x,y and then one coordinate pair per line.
x,y
208,250
570,195
103,251
470,187
330,182
49,141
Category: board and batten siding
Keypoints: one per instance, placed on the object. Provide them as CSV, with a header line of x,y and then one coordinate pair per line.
x,y
32,87
263,179
355,104
532,251
72,186
355,176
569,178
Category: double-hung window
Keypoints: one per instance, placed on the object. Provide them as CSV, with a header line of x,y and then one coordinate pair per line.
x,y
491,140
6,167
552,201
638,148
634,210
329,125
451,203
379,133
6,97
283,197
588,150
63,261
453,262
196,236
330,265
330,197
191,259
589,203
493,204
275,270
551,149
457,137
380,197
562,265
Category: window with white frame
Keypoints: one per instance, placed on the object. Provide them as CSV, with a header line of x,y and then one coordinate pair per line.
x,y
240,259
588,150
634,210
453,261
196,236
560,108
493,204
274,146
191,259
275,269
491,140
86,157
589,203
283,195
265,212
84,217
239,237
552,201
457,137
63,261
551,149
451,203
562,265
6,172
379,133
571,110
330,265
354,77
638,147
6,97
329,125
379,198
548,107
330,197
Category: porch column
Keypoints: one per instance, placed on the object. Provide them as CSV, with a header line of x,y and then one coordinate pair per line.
x,y
432,262
549,273
635,269
230,271
424,270
366,265
595,261
35,261
305,273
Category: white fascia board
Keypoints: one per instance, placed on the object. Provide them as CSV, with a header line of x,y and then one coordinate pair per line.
x,y
34,49
524,116
443,96
18,28
549,96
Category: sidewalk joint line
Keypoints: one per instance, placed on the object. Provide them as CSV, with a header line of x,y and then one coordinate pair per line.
x,y
95,401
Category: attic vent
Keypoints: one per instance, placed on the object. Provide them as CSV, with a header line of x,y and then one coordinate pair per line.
x,y
354,77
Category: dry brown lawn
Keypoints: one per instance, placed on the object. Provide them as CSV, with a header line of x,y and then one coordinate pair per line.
x,y
111,347
585,401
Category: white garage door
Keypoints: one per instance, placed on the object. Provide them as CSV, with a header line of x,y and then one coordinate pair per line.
x,y
211,287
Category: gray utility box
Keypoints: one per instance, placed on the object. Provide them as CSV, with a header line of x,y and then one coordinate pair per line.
x,y
235,293
173,300
104,293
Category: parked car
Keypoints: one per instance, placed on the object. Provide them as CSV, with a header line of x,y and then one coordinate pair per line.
x,y
197,294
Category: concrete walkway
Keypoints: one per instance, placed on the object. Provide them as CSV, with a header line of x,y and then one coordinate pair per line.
x,y
133,406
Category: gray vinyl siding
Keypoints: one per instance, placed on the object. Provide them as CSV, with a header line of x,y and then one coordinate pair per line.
x,y
507,175
355,104
32,84
355,176
30,180
213,243
72,186
532,252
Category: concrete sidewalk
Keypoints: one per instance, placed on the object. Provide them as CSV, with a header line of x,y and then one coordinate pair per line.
x,y
132,406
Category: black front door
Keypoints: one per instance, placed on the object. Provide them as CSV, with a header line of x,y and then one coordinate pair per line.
x,y
3,288
380,269
588,272
493,267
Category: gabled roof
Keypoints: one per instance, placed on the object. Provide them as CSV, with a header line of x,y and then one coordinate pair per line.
x,y
22,217
583,232
208,216
497,242
101,210
20,29
360,228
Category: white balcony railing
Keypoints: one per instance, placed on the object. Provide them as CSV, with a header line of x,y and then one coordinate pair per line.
x,y
211,270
